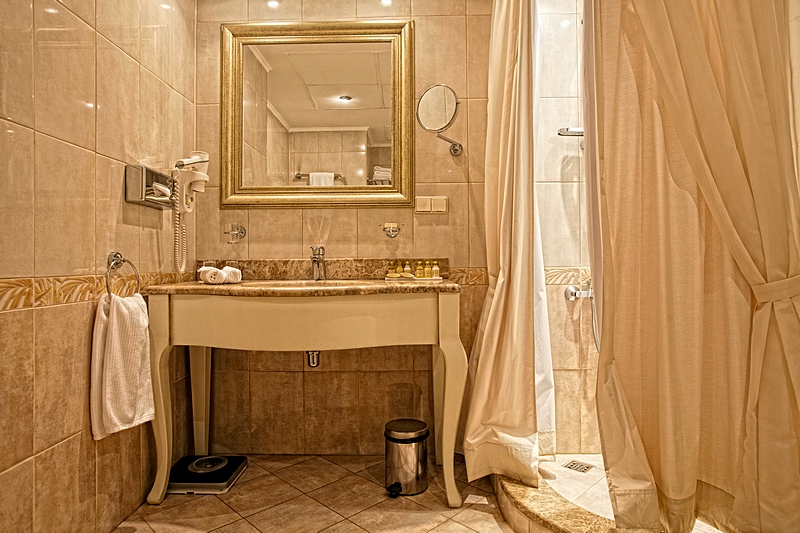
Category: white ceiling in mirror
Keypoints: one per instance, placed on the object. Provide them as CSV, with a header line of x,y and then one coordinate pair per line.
x,y
306,82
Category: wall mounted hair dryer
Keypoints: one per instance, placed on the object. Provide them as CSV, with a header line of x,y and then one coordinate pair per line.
x,y
189,177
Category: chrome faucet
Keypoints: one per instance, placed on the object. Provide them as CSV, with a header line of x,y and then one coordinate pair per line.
x,y
318,262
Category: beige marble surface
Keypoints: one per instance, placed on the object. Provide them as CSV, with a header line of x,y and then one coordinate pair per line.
x,y
331,287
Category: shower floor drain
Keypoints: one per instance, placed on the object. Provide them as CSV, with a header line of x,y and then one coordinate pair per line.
x,y
578,466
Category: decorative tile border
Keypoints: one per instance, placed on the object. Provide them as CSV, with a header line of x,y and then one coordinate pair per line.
x,y
566,275
24,293
16,293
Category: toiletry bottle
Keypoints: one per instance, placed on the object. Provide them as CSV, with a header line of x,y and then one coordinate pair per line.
x,y
400,268
392,268
435,270
420,272
427,272
407,268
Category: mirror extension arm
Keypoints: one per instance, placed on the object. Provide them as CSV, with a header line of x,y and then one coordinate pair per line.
x,y
455,147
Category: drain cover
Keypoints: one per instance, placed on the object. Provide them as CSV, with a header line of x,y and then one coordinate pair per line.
x,y
578,466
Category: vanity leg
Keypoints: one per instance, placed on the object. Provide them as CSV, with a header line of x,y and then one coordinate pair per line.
x,y
160,350
200,370
455,378
438,400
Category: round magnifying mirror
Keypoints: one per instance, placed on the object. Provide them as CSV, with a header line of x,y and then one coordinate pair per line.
x,y
437,108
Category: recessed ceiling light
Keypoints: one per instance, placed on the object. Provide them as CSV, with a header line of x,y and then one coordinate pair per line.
x,y
345,98
273,4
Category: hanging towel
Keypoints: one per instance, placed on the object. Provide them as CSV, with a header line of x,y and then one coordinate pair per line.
x,y
320,179
121,392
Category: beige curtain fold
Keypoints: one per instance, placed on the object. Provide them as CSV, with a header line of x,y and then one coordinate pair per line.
x,y
700,362
500,434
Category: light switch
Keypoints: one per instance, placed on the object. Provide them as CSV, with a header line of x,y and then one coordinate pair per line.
x,y
423,204
439,204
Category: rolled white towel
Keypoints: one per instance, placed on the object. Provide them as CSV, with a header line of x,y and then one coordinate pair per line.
x,y
211,275
232,274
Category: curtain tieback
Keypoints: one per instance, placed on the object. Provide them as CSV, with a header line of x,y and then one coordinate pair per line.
x,y
777,290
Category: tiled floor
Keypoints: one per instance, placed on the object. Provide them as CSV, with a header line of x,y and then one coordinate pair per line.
x,y
309,494
589,489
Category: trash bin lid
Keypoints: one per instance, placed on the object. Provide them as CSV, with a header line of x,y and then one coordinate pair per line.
x,y
405,428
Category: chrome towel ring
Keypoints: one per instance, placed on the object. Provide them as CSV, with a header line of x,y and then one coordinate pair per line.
x,y
115,261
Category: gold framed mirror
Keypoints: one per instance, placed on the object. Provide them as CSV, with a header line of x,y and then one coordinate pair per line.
x,y
317,115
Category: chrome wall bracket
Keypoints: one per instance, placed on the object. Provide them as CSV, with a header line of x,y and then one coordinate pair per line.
x,y
313,358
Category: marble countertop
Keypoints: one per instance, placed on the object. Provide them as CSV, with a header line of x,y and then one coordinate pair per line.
x,y
331,287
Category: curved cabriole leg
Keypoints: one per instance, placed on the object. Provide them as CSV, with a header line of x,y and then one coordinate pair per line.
x,y
160,350
454,360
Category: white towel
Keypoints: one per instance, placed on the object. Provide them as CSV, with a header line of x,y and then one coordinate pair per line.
x,y
320,179
215,276
385,169
121,394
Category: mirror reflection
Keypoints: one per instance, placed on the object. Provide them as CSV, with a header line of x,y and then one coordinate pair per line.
x,y
437,108
316,114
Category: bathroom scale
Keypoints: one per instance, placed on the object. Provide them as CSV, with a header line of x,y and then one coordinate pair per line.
x,y
205,474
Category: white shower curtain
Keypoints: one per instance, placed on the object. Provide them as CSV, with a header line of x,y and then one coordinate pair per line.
x,y
506,384
700,363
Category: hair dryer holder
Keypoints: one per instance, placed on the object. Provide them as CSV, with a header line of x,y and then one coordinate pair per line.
x,y
139,187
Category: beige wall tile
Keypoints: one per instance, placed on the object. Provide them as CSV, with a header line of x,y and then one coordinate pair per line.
x,y
565,328
117,222
208,67
589,353
182,54
276,234
260,10
223,359
423,403
477,230
386,358
382,396
590,433
557,158
16,513
183,435
444,235
559,211
154,121
479,29
334,361
377,9
118,477
64,208
208,139
211,220
155,240
276,412
331,412
560,46
479,7
330,141
63,341
118,21
16,388
558,6
476,137
181,134
155,37
221,10
65,486
433,161
16,61
16,200
83,8
336,229
569,394
373,241
230,412
440,49
117,103
64,74
329,9
438,7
